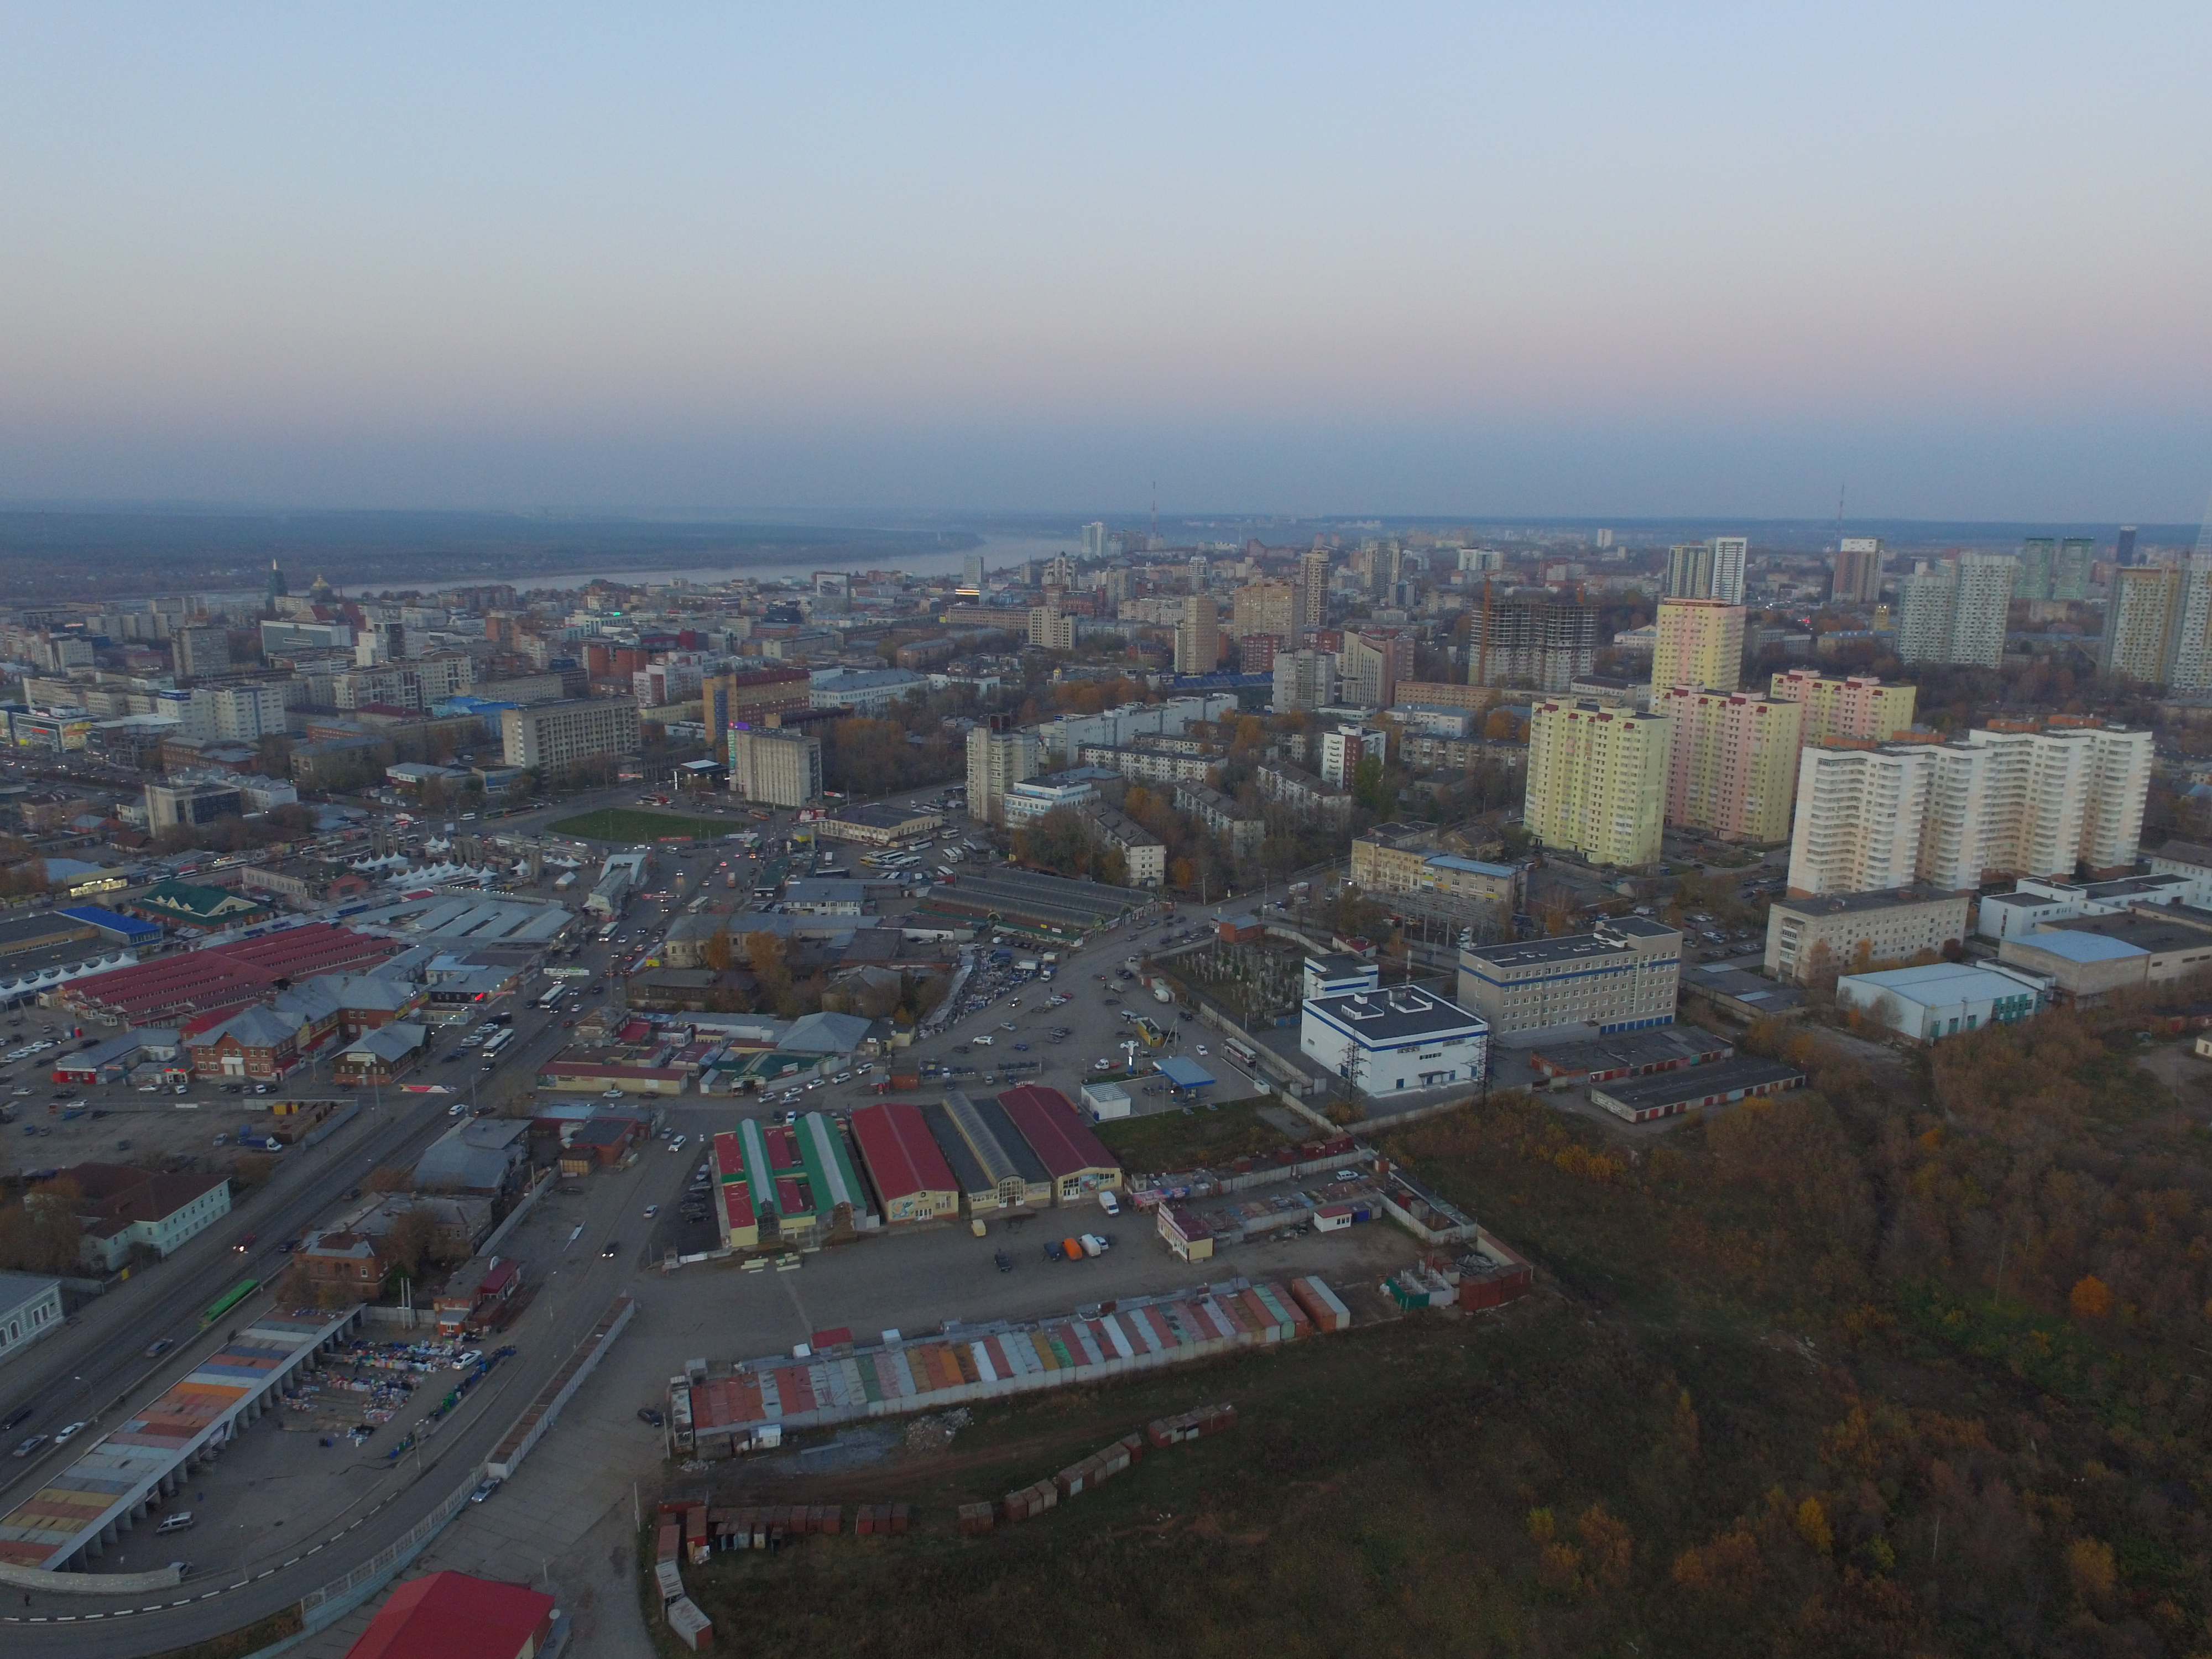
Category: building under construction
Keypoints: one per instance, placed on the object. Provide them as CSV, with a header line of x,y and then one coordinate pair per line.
x,y
1540,640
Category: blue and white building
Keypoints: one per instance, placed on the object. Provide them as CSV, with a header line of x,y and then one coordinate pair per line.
x,y
1395,1041
1622,975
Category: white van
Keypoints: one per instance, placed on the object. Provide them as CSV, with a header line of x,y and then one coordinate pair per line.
x,y
180,1521
1108,1202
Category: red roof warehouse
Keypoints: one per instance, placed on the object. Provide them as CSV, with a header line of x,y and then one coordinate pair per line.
x,y
912,1178
1076,1159
223,975
450,1615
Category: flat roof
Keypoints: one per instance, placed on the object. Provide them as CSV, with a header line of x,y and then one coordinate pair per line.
x,y
1536,952
1888,898
1185,1074
1399,1012
1956,978
2082,947
1633,1049
1692,1083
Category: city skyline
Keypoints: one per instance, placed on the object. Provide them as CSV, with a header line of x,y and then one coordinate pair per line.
x,y
1445,261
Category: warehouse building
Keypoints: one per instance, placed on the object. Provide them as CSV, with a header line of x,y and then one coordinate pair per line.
x,y
1076,1160
1669,1094
801,1178
1941,999
912,1181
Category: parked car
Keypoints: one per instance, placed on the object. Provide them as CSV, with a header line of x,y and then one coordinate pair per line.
x,y
650,1416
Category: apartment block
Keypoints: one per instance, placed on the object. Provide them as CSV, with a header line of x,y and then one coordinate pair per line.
x,y
1265,607
1144,853
555,734
1708,570
1304,680
1732,763
1051,629
1300,791
1343,749
1841,930
1531,640
1222,818
775,766
1700,643
1313,588
1198,636
1370,665
1954,612
1597,780
997,761
1858,570
1854,706
1952,815
1622,975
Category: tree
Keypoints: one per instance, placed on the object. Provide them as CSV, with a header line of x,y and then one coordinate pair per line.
x,y
409,1242
717,953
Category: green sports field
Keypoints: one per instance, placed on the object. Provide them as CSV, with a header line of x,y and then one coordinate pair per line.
x,y
627,823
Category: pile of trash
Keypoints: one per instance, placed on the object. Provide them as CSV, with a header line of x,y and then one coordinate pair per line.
x,y
928,1434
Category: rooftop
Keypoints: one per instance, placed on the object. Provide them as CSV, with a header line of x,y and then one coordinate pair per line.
x,y
1056,1131
1888,898
1940,980
1691,1083
2082,947
1400,1013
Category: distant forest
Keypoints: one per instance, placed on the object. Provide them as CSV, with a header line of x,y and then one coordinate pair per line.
x,y
46,557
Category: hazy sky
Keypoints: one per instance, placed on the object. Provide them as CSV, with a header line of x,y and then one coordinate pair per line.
x,y
1564,258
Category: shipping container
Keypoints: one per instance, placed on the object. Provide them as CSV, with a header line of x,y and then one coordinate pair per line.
x,y
1322,1304
671,1581
691,1627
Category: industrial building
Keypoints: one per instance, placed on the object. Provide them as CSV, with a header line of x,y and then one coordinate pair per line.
x,y
1671,1092
1941,999
1394,1041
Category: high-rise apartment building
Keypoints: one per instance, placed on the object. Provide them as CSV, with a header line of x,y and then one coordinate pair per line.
x,y
1708,570
971,573
1342,750
1304,680
776,766
1699,643
1369,668
1313,588
2142,621
2023,803
1732,767
1531,640
1858,570
1052,629
2037,555
2123,545
1264,607
1597,780
200,652
1198,637
997,761
1955,612
1094,540
1854,706
552,735
748,699
2069,570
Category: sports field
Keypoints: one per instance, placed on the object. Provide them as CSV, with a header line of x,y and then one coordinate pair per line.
x,y
629,824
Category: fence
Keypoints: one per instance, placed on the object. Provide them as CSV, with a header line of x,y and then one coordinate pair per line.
x,y
538,1416
319,1608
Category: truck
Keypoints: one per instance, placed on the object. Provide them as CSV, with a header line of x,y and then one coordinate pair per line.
x,y
1160,990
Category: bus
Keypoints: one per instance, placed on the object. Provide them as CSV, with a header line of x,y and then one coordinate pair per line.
x,y
1242,1053
230,1299
554,993
498,1041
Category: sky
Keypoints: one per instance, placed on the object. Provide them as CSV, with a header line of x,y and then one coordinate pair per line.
x,y
1570,259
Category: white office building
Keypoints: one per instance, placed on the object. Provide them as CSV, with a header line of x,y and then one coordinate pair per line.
x,y
1395,1041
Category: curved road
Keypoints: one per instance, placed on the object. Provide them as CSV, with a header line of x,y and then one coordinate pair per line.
x,y
96,1369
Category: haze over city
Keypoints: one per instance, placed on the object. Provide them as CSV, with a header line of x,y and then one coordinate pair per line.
x,y
1709,259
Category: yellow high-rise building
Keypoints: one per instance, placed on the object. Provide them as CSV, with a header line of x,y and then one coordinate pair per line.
x,y
1700,643
1854,706
1733,766
1597,780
